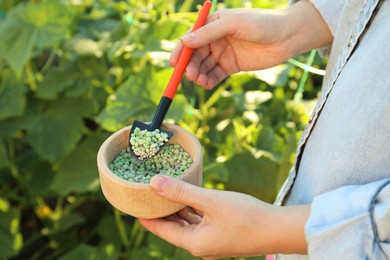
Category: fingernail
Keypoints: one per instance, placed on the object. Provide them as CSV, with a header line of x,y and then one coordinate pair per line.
x,y
188,37
158,183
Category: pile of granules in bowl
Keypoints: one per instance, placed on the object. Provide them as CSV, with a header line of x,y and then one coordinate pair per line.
x,y
146,144
171,160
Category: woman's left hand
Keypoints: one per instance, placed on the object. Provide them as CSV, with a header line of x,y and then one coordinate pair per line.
x,y
220,224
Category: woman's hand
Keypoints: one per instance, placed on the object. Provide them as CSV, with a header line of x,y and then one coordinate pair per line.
x,y
236,40
225,224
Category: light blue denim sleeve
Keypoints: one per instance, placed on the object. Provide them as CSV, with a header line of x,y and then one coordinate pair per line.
x,y
351,222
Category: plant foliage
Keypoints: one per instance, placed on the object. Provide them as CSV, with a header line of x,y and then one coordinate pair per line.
x,y
74,71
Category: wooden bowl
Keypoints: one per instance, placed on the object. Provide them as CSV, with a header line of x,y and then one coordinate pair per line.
x,y
137,199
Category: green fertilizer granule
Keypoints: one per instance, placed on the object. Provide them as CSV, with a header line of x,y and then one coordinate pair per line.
x,y
171,160
146,144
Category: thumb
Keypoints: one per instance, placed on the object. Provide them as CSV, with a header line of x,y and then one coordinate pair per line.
x,y
179,191
205,35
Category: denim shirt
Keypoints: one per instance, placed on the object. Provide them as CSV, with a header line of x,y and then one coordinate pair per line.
x,y
343,160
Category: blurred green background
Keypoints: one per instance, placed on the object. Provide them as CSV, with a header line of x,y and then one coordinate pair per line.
x,y
74,71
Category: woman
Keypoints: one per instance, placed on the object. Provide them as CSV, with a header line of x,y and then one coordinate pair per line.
x,y
335,203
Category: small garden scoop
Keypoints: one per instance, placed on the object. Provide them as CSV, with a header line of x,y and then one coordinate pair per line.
x,y
172,86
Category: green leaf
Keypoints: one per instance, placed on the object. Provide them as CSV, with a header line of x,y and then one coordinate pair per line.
x,y
287,157
12,95
110,251
253,176
31,25
81,86
75,78
88,252
83,251
51,86
268,140
107,232
10,127
98,28
158,247
173,26
215,171
142,253
276,111
11,240
180,254
78,172
55,132
70,220
137,99
36,172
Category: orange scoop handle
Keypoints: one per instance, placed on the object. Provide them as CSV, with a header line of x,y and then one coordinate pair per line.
x,y
185,55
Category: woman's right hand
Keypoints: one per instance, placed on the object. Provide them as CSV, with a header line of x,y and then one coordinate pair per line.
x,y
236,40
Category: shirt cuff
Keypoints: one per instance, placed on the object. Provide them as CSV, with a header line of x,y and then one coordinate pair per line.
x,y
351,222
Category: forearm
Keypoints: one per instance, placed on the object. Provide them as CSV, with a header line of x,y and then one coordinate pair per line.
x,y
285,230
292,221
305,28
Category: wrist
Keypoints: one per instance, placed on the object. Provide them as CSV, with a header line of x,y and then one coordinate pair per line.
x,y
289,229
282,230
305,28
279,230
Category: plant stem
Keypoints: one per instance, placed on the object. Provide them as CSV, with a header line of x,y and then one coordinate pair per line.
x,y
138,234
213,7
16,174
121,229
298,95
68,209
49,61
186,6
214,98
30,77
306,67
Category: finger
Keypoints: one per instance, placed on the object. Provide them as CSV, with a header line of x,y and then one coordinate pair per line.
x,y
195,211
179,48
175,54
197,58
216,29
212,78
176,218
215,76
182,192
207,65
170,231
199,212
189,216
